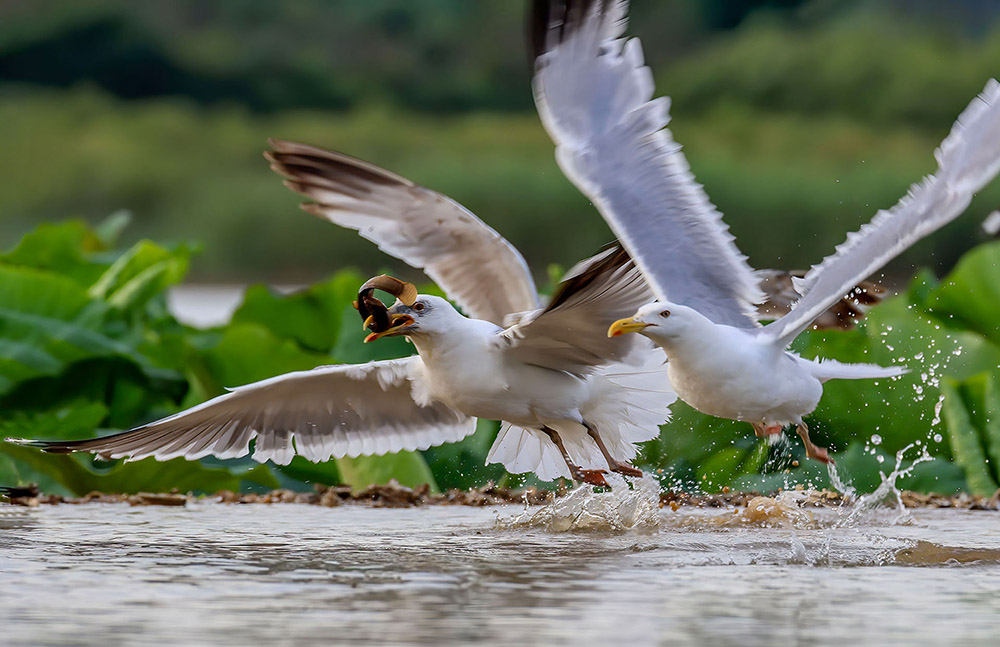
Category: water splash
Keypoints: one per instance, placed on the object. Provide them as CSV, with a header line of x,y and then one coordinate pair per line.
x,y
837,484
887,491
623,508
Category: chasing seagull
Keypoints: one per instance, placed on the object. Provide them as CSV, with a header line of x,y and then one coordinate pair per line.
x,y
595,96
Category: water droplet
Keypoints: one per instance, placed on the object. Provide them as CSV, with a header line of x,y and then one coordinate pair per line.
x,y
876,439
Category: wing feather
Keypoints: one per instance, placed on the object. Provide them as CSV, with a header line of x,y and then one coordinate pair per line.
x,y
594,96
331,411
474,264
570,334
967,160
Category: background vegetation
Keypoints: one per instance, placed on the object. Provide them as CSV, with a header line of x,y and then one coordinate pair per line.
x,y
798,116
801,117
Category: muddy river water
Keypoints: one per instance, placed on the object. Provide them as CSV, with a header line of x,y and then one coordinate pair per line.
x,y
210,574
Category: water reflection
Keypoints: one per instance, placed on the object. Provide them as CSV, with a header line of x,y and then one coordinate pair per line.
x,y
215,574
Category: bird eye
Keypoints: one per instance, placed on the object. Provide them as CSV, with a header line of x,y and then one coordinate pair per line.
x,y
418,306
665,314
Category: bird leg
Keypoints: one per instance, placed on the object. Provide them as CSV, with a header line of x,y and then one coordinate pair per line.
x,y
593,477
812,451
616,466
763,431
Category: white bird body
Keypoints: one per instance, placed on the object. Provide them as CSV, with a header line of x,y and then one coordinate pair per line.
x,y
760,383
470,366
463,366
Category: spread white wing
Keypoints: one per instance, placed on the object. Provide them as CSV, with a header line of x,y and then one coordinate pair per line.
x,y
470,261
967,160
595,97
331,411
571,333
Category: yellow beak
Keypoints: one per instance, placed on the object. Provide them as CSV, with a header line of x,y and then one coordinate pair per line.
x,y
623,326
398,323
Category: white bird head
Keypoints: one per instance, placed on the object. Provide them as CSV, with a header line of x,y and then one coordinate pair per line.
x,y
661,321
427,314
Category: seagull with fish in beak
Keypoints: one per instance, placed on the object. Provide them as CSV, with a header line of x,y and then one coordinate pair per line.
x,y
546,376
574,403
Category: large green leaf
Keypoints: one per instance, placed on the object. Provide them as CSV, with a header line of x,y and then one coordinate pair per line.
x,y
969,297
311,473
408,468
462,465
688,441
141,273
46,323
79,474
898,410
312,317
962,411
66,248
248,352
862,468
149,475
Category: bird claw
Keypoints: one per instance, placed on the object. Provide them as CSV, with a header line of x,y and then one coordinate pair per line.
x,y
813,451
592,477
818,453
762,431
627,470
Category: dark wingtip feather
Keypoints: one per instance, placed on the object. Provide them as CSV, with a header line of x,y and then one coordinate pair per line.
x,y
19,491
50,446
540,14
309,165
551,22
614,257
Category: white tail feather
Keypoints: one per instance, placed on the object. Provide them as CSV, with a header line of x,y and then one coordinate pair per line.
x,y
628,404
828,369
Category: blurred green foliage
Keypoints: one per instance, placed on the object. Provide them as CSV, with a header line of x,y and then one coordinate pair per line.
x,y
199,173
802,116
89,347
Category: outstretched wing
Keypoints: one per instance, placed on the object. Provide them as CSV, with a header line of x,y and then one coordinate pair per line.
x,y
571,333
595,97
331,411
474,264
967,160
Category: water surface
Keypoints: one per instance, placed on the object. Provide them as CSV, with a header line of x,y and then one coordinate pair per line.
x,y
214,574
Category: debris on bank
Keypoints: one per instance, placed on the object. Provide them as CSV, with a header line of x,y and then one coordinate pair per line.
x,y
394,495
829,498
391,495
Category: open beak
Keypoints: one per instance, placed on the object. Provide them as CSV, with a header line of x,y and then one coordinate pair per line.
x,y
397,323
623,326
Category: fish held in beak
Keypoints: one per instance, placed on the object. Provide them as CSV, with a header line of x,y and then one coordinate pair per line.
x,y
373,312
397,324
627,325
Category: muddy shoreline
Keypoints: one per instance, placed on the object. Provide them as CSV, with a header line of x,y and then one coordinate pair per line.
x,y
394,495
